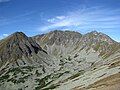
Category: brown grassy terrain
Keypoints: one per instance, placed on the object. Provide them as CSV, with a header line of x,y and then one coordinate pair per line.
x,y
110,83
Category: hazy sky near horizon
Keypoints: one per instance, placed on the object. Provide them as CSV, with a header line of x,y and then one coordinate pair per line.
x,y
40,16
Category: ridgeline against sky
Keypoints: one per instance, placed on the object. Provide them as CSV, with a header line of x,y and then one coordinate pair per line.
x,y
40,16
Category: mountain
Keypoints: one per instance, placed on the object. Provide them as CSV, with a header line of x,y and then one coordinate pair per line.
x,y
60,42
21,55
17,45
59,60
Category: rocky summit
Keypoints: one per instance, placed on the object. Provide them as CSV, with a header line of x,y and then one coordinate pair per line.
x,y
59,60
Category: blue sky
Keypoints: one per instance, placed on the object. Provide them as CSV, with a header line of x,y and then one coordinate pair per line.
x,y
40,16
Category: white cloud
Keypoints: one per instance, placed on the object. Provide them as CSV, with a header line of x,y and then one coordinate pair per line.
x,y
52,20
60,17
96,17
56,19
3,36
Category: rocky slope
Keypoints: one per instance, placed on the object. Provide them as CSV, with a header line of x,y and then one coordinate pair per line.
x,y
69,41
59,42
59,60
18,45
21,58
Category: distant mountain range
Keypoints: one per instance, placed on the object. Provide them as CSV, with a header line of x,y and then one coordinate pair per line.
x,y
59,60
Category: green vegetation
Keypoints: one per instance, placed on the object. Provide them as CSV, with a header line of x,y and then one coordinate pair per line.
x,y
47,80
61,63
28,67
19,88
57,75
42,82
3,78
37,73
96,48
69,58
15,81
53,86
20,80
76,55
81,72
22,70
77,74
15,72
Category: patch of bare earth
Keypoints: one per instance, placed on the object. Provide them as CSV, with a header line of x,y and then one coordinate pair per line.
x,y
110,83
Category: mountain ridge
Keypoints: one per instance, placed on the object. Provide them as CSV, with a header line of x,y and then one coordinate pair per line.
x,y
92,39
57,60
20,43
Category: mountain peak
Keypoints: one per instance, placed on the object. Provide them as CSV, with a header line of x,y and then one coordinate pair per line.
x,y
94,32
17,45
94,35
64,31
18,35
59,37
69,54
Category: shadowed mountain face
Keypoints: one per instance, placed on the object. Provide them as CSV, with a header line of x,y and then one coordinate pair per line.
x,y
59,60
18,50
16,45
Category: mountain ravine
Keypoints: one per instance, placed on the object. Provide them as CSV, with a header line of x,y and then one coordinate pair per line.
x,y
59,60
